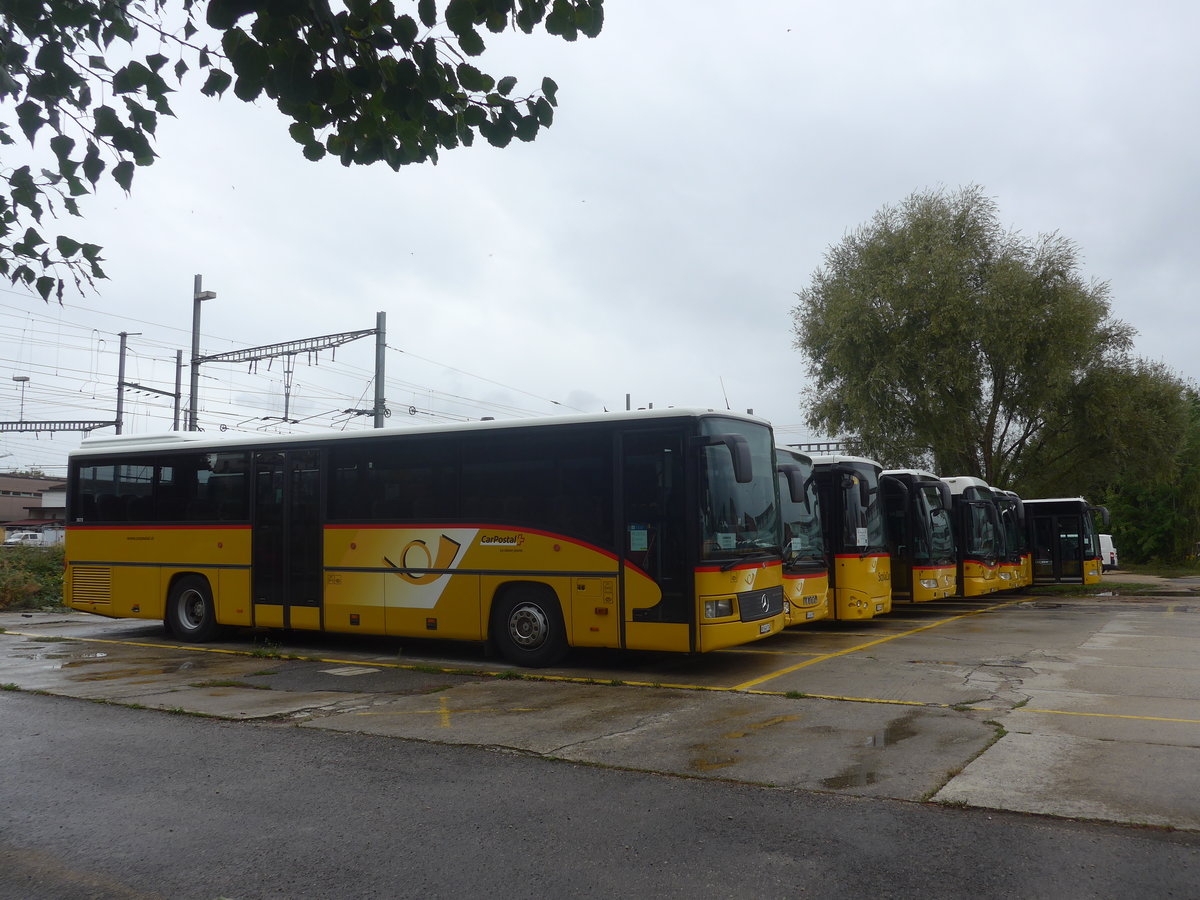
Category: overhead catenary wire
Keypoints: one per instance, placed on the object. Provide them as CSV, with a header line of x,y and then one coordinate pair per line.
x,y
73,364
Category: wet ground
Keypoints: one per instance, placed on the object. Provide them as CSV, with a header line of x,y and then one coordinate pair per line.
x,y
1081,707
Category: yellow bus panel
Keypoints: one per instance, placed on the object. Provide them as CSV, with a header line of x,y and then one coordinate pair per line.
x,y
944,582
862,586
807,598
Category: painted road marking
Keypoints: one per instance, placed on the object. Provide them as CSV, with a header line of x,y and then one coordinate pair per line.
x,y
754,682
747,687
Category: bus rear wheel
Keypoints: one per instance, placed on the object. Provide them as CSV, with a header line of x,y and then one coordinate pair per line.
x,y
191,614
528,628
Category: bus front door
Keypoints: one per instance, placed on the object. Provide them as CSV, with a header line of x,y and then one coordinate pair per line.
x,y
656,591
286,534
1058,549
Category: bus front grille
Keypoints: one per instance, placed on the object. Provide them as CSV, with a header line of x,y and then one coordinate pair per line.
x,y
760,604
91,585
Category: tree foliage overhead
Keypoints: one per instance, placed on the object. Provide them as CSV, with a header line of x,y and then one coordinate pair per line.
x,y
935,337
365,81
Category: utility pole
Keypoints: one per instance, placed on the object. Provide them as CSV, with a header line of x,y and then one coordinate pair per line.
x,y
380,348
121,381
198,297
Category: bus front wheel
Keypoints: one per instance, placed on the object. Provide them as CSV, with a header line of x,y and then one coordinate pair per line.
x,y
527,626
191,614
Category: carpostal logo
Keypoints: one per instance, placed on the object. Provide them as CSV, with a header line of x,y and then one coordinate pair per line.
x,y
501,540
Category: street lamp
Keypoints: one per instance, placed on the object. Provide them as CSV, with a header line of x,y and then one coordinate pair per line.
x,y
22,380
198,297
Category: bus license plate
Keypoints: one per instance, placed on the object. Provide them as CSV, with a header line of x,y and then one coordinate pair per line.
x,y
764,628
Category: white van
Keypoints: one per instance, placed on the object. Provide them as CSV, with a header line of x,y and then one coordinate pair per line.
x,y
1108,553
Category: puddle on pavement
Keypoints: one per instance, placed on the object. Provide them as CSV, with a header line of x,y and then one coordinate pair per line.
x,y
859,776
120,670
863,774
895,733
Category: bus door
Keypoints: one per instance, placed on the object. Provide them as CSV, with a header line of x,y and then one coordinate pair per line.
x,y
1058,548
901,535
652,528
286,537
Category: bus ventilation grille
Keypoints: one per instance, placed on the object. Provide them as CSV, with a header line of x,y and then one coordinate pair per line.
x,y
91,585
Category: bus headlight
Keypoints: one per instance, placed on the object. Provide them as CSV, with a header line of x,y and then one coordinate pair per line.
x,y
929,583
1006,575
718,609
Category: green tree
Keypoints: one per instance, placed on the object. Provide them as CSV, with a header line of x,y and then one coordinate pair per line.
x,y
1158,520
361,81
935,337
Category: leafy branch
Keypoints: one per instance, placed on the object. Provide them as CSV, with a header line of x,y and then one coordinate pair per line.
x,y
361,82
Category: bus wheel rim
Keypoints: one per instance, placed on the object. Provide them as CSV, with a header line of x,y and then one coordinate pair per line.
x,y
193,609
528,626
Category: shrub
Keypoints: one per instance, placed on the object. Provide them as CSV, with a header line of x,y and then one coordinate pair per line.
x,y
31,577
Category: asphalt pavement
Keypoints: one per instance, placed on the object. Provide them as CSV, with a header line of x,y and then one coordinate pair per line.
x,y
1079,707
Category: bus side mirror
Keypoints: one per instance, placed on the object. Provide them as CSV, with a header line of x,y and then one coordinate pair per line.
x,y
795,481
739,452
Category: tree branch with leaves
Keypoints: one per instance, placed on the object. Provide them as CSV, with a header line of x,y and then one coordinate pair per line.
x,y
361,81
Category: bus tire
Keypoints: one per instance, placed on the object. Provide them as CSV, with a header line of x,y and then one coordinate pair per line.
x,y
527,627
191,613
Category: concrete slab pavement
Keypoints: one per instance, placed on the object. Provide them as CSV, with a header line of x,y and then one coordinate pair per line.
x,y
1084,707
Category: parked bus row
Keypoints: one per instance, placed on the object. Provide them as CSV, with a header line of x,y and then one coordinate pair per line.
x,y
672,530
863,537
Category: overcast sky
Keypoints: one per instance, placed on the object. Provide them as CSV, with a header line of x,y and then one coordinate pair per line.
x,y
703,158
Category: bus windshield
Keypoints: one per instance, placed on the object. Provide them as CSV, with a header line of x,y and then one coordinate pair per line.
x,y
984,537
802,536
738,519
937,543
863,524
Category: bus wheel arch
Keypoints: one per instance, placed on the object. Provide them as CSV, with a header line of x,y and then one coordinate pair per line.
x,y
191,613
527,625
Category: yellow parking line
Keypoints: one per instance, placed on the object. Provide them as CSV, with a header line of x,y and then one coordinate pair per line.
x,y
1065,712
883,640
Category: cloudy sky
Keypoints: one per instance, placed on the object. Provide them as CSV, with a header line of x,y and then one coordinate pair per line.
x,y
703,158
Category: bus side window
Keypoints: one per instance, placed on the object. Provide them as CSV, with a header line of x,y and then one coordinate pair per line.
x,y
109,508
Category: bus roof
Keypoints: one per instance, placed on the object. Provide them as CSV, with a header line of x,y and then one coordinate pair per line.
x,y
796,453
839,458
919,474
959,483
183,440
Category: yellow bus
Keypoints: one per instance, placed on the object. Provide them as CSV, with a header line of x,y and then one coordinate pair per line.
x,y
1065,540
920,535
654,530
855,536
805,565
1016,569
978,536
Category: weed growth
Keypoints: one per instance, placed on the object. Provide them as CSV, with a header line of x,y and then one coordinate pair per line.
x,y
31,577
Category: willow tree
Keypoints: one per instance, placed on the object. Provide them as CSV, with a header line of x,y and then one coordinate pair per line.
x,y
934,336
363,81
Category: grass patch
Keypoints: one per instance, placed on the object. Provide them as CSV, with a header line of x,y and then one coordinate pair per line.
x,y
1163,570
9,687
266,650
510,675
31,577
795,695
